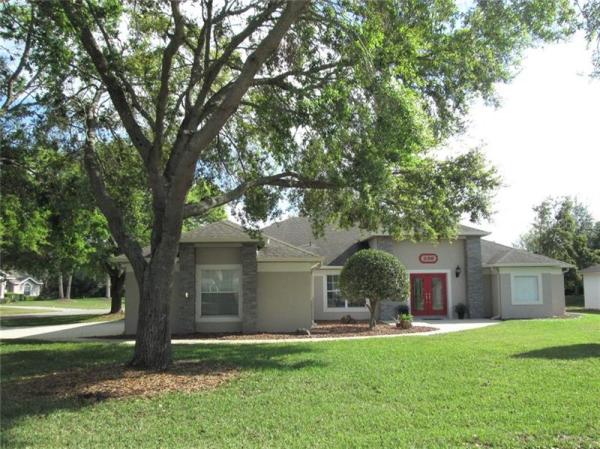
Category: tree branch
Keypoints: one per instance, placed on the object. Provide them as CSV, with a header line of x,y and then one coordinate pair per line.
x,y
77,18
13,77
286,179
109,208
181,164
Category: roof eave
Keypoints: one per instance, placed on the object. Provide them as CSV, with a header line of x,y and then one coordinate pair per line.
x,y
526,265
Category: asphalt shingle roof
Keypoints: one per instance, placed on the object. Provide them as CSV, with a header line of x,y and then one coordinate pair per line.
x,y
592,269
230,232
495,254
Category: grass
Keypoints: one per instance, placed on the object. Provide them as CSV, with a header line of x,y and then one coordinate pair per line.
x,y
5,311
79,303
520,384
54,320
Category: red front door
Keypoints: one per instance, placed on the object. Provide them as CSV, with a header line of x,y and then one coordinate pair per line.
x,y
428,294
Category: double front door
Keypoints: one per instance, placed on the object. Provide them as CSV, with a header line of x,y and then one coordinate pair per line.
x,y
428,294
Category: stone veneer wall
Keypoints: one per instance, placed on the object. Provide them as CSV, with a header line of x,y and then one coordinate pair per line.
x,y
183,309
249,304
474,277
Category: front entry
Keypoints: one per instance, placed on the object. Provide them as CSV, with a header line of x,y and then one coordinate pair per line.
x,y
428,294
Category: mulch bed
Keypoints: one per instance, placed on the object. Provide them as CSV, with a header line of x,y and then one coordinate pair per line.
x,y
323,329
119,381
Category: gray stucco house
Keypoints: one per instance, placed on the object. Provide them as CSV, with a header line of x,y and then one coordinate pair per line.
x,y
226,281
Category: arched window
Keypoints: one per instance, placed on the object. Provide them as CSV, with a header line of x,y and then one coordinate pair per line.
x,y
27,289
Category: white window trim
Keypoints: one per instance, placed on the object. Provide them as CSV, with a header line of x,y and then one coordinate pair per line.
x,y
448,286
217,318
536,274
326,307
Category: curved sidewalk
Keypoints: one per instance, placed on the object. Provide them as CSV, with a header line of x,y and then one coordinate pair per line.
x,y
87,332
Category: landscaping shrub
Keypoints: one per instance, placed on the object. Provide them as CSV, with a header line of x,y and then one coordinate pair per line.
x,y
372,275
461,310
403,309
347,319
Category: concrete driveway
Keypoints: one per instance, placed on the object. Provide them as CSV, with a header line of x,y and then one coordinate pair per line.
x,y
85,331
64,332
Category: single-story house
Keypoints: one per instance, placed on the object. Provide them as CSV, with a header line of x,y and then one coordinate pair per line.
x,y
591,287
229,281
21,283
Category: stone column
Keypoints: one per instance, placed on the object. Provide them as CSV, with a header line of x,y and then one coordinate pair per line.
x,y
183,302
249,300
474,276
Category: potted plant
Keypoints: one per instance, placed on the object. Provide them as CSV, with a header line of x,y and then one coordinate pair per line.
x,y
461,310
404,320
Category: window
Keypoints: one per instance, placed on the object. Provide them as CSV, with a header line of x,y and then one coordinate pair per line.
x,y
27,289
334,296
526,289
220,292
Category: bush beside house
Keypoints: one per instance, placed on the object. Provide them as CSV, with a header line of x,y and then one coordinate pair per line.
x,y
371,276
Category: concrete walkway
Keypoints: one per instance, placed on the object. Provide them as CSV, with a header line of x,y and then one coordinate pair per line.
x,y
86,332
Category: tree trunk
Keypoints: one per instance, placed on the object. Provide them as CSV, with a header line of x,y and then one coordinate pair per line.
x,y
153,336
107,289
117,280
69,281
61,292
373,309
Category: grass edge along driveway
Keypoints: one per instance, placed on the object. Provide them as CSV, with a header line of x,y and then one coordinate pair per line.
x,y
521,384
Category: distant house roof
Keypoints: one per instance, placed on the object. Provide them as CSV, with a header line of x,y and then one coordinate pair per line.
x,y
496,255
228,232
592,269
17,277
337,244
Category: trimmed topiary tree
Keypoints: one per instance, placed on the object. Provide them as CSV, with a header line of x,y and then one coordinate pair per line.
x,y
372,276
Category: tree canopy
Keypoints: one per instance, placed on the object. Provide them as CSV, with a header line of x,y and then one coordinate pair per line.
x,y
565,230
332,108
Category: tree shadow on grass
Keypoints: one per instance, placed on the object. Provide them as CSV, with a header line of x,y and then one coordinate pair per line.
x,y
569,352
39,378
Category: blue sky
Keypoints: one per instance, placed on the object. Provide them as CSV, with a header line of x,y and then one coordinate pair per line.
x,y
544,138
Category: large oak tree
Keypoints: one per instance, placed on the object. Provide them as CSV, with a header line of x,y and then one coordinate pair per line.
x,y
330,107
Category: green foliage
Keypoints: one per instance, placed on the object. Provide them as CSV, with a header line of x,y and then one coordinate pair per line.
x,y
373,275
590,22
565,230
373,88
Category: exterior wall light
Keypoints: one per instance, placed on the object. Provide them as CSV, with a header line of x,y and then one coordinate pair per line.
x,y
458,271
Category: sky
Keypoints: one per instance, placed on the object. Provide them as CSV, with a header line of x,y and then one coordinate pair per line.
x,y
544,139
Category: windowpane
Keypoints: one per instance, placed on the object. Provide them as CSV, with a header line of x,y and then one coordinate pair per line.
x,y
526,289
334,297
220,290
437,293
417,293
220,281
220,304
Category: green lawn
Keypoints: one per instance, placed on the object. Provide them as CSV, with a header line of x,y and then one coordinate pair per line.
x,y
520,384
79,303
5,311
54,320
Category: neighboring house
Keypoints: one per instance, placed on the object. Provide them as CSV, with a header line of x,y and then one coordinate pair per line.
x,y
20,283
591,287
225,282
